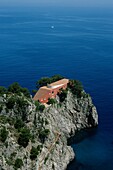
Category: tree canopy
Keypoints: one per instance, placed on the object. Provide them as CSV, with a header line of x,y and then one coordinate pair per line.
x,y
51,101
18,163
63,95
76,87
3,90
48,80
3,134
24,137
16,88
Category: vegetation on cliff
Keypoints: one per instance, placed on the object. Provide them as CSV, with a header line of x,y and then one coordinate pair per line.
x,y
15,88
28,128
48,80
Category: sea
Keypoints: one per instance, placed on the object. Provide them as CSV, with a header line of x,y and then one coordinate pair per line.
x,y
75,42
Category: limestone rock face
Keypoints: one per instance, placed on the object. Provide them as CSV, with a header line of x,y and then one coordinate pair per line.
x,y
62,120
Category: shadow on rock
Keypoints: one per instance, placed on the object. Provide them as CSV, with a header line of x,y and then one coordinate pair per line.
x,y
81,135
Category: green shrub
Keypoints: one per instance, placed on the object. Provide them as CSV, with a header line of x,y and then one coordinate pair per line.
x,y
24,137
43,82
3,134
13,155
46,80
25,91
22,105
16,88
11,102
76,87
39,106
3,90
21,102
39,148
56,78
18,123
18,163
63,95
11,120
9,162
3,119
33,153
43,134
51,101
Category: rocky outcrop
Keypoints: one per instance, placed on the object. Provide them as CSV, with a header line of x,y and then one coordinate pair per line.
x,y
62,120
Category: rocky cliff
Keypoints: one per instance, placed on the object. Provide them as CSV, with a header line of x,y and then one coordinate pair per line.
x,y
49,129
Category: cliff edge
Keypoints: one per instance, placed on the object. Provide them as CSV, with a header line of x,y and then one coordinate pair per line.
x,y
34,137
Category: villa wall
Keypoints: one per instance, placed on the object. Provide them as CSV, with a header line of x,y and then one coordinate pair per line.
x,y
51,94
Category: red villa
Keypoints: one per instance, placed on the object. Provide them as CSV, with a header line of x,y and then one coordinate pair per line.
x,y
50,91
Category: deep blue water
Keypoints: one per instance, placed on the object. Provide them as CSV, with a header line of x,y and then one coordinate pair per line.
x,y
80,46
